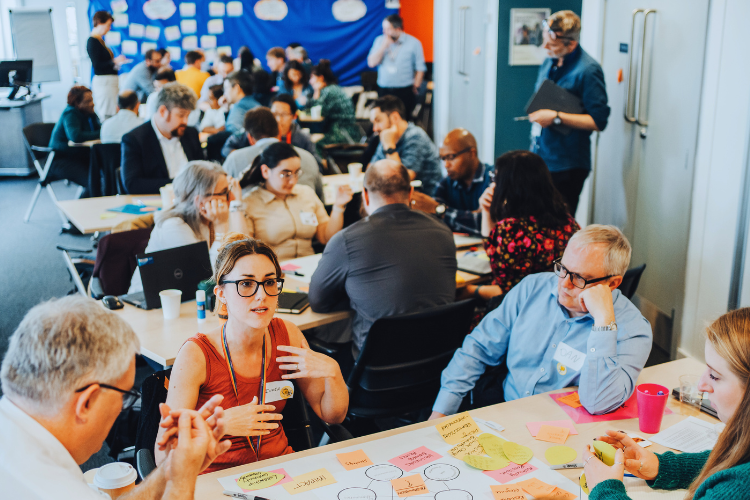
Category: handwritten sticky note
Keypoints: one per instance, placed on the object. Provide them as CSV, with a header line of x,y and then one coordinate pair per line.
x,y
605,452
458,428
309,481
492,445
511,472
409,486
415,458
257,480
561,494
112,38
353,460
573,400
535,487
557,455
469,446
534,426
553,434
287,477
485,463
120,20
510,492
129,47
517,453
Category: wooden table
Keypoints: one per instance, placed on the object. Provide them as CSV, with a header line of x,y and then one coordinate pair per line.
x,y
513,416
86,213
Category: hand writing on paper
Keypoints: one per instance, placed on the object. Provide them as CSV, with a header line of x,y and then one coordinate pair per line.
x,y
598,301
309,364
249,419
638,461
597,471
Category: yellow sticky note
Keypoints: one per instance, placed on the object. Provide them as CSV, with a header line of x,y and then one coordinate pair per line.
x,y
605,452
258,480
517,453
409,486
557,455
107,215
469,446
354,460
536,488
553,434
584,484
492,445
485,463
458,428
309,481
507,492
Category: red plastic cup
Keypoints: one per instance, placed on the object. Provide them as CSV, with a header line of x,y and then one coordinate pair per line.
x,y
651,406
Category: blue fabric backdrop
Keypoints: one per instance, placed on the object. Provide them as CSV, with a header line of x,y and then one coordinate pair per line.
x,y
308,22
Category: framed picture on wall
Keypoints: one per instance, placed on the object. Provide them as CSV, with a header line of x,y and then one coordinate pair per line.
x,y
526,37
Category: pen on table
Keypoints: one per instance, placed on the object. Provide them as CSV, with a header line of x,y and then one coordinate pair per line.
x,y
297,273
521,119
567,466
242,495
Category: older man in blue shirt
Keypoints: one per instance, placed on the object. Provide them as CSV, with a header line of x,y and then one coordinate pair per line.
x,y
555,330
569,66
400,61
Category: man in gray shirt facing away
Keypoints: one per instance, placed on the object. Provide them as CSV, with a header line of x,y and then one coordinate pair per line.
x,y
394,261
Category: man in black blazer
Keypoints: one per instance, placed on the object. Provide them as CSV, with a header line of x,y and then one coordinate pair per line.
x,y
155,152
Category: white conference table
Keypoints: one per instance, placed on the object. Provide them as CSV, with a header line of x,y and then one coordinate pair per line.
x,y
92,214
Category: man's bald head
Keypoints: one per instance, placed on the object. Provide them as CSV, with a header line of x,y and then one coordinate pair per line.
x,y
459,152
388,181
127,100
459,139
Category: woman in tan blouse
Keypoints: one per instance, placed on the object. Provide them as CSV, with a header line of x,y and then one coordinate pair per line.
x,y
282,213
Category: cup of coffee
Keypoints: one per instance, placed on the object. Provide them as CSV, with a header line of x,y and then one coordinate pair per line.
x,y
652,399
316,112
115,479
355,170
167,196
170,303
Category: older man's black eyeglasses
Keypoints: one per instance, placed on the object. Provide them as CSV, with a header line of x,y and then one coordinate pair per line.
x,y
128,397
577,280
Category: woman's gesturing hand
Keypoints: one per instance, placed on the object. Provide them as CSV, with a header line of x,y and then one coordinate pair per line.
x,y
307,363
249,419
638,461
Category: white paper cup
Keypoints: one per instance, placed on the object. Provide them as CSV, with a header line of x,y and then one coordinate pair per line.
x,y
170,303
316,112
115,479
355,170
167,196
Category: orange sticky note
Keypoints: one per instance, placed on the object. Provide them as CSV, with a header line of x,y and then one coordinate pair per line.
x,y
507,492
573,400
553,434
561,494
353,460
536,488
409,486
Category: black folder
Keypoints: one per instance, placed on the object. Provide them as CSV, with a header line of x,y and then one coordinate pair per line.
x,y
292,302
552,96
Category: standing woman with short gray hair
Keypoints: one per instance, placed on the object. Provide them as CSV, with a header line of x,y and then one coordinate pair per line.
x,y
105,66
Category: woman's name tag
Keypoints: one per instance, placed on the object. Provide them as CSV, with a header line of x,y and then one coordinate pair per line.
x,y
308,218
276,391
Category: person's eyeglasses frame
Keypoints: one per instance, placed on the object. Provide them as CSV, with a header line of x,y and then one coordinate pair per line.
x,y
453,156
566,273
278,281
132,394
287,174
222,194
552,34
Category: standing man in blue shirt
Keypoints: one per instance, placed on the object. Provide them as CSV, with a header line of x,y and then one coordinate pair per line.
x,y
400,61
569,66
555,330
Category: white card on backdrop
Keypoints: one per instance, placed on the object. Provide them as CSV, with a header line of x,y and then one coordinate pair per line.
x,y
120,20
190,43
224,50
234,9
172,33
208,42
136,30
216,26
187,9
216,9
129,47
112,38
175,53
188,26
119,6
146,46
152,32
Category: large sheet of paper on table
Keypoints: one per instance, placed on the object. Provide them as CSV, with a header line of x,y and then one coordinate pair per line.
x,y
445,477
301,269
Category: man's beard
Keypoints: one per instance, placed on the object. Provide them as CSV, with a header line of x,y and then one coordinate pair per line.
x,y
179,131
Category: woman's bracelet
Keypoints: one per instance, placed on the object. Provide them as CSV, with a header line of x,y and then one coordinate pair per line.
x,y
338,209
476,291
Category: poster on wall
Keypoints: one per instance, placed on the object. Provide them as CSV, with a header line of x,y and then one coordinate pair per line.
x,y
348,11
271,10
526,37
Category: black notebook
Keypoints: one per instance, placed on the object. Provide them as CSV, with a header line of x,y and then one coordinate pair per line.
x,y
292,302
552,96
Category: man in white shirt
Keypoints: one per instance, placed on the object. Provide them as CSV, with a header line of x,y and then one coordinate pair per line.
x,y
223,67
124,121
67,374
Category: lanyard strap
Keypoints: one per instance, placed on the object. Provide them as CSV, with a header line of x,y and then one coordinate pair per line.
x,y
261,389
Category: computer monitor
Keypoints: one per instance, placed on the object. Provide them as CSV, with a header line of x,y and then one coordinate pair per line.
x,y
14,73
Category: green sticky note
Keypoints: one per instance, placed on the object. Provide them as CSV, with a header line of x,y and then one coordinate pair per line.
x,y
485,463
517,453
492,445
557,455
605,452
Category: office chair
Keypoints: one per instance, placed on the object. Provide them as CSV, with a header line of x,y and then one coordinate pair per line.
x,y
631,280
115,262
36,138
339,156
104,170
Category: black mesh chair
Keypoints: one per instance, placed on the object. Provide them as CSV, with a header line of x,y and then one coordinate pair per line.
x,y
339,156
36,138
631,280
104,170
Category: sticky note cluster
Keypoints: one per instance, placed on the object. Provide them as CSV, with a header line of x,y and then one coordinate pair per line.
x,y
469,446
458,428
501,453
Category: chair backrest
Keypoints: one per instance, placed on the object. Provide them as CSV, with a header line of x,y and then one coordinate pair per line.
x,y
115,259
344,154
369,80
38,134
103,169
399,367
630,281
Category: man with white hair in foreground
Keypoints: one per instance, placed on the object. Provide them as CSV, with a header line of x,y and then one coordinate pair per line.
x,y
555,330
68,373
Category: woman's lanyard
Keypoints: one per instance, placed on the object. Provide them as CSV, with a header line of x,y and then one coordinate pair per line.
x,y
261,390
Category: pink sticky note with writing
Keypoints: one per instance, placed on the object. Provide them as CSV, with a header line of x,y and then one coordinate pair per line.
x,y
534,426
289,267
629,409
511,472
415,458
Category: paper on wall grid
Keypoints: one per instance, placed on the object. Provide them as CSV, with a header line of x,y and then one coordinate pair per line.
x,y
442,474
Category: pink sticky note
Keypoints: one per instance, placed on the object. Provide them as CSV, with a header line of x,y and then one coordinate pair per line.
x,y
511,472
289,267
415,458
534,426
629,409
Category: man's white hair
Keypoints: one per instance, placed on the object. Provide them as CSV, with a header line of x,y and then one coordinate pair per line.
x,y
617,247
62,345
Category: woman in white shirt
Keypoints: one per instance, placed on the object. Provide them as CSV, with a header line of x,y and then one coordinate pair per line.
x,y
206,205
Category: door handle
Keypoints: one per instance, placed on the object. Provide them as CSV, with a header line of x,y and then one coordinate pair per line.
x,y
642,123
630,97
462,41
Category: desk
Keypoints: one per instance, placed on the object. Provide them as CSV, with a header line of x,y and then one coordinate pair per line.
x,y
513,416
314,125
86,214
14,116
85,144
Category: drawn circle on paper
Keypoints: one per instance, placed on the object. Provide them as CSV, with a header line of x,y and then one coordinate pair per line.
x,y
357,494
383,472
453,495
441,472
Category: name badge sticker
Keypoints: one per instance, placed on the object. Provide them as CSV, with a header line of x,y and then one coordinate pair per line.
x,y
276,391
569,357
308,218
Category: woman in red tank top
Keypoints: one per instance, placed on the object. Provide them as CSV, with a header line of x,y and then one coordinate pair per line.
x,y
252,359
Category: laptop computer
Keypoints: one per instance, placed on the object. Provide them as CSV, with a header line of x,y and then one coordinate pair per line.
x,y
180,268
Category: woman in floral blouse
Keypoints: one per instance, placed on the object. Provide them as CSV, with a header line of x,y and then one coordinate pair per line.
x,y
525,222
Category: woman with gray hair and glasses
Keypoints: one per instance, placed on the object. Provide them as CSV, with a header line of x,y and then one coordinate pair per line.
x,y
206,206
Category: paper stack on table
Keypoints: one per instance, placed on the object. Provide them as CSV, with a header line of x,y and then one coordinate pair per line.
x,y
692,435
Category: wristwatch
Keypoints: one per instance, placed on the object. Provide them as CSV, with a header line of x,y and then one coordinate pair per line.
x,y
557,120
236,205
440,210
612,327
390,151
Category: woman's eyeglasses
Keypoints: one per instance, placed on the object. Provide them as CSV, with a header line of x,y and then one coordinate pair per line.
x,y
248,288
288,174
